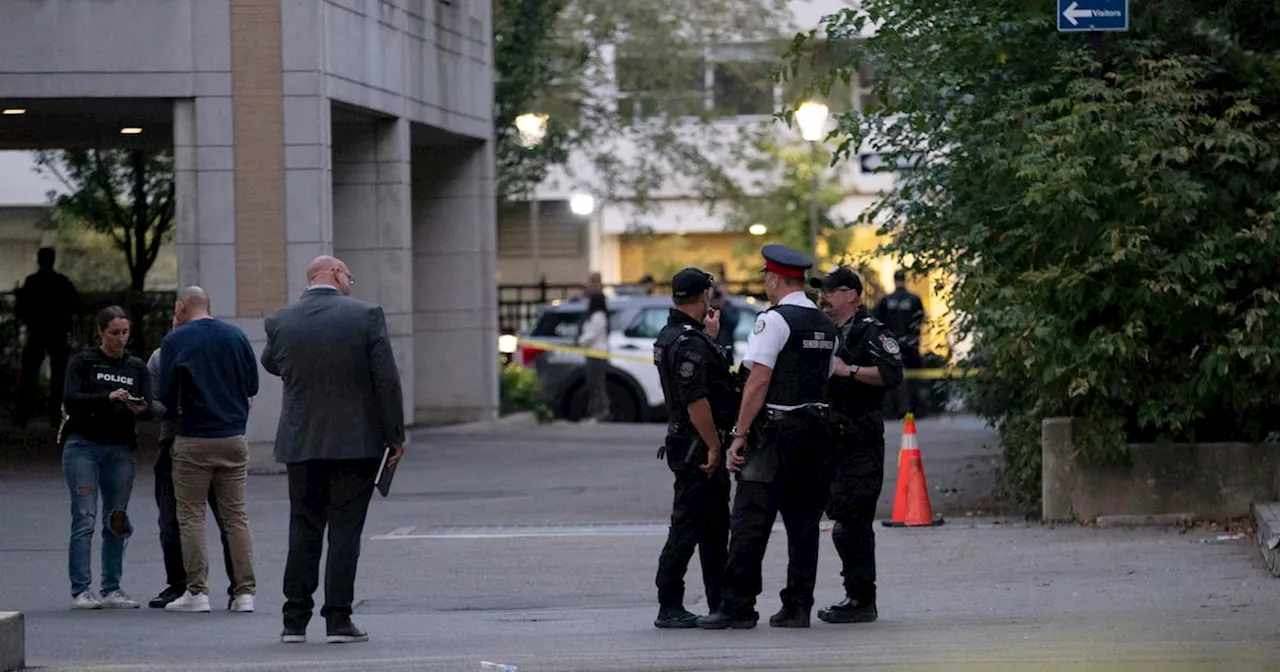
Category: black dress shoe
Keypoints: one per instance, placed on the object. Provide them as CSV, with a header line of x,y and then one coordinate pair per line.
x,y
165,597
721,621
850,611
675,617
789,617
344,632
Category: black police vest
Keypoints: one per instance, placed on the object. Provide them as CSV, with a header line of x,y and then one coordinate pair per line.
x,y
803,366
719,382
848,397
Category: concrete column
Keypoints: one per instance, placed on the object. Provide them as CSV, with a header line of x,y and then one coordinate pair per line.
x,y
371,226
1057,469
205,189
455,313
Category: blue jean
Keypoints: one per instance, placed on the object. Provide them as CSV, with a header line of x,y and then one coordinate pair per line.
x,y
91,468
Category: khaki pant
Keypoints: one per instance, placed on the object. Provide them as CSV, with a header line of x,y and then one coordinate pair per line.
x,y
222,464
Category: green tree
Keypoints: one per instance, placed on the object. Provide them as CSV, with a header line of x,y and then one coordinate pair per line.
x,y
624,84
127,195
1111,226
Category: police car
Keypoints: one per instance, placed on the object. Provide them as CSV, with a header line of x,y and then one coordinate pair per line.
x,y
635,391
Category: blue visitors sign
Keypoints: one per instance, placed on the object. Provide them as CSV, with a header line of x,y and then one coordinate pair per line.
x,y
1076,16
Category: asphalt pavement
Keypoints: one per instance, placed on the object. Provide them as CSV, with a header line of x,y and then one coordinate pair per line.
x,y
536,547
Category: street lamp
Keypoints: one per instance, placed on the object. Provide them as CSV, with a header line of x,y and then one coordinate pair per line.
x,y
582,204
811,117
758,229
533,128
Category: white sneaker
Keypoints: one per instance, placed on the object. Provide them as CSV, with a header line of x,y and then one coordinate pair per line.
x,y
189,603
242,603
86,600
117,599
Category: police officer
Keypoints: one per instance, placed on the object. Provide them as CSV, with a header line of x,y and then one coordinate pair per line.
x,y
875,366
903,315
791,353
701,404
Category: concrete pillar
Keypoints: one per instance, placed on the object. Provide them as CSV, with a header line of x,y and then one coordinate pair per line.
x,y
1057,469
455,313
371,227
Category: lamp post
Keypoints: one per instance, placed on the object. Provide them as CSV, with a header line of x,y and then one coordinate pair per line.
x,y
533,128
811,117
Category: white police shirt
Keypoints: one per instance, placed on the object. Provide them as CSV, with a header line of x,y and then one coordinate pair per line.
x,y
771,333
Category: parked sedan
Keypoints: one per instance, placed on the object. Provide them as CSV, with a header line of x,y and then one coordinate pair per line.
x,y
635,391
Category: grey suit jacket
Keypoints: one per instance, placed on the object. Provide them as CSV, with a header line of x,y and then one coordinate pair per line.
x,y
342,398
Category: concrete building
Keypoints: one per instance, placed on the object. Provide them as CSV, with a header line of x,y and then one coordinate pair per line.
x,y
359,128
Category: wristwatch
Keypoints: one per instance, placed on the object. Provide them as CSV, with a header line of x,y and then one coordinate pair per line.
x,y
853,370
736,434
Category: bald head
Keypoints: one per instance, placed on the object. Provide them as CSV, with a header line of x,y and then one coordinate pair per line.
x,y
192,304
327,270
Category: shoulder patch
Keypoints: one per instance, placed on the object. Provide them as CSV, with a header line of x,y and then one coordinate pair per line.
x,y
760,322
890,345
686,370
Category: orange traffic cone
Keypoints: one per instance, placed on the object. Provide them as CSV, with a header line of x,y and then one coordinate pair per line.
x,y
911,506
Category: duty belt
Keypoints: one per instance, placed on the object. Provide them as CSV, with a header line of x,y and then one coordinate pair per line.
x,y
778,408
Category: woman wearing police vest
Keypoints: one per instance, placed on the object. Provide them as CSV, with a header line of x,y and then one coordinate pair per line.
x,y
106,393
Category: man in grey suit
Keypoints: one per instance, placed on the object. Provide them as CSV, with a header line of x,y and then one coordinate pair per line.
x,y
341,409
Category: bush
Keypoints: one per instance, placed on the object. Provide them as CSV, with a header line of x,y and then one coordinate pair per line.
x,y
1112,228
519,391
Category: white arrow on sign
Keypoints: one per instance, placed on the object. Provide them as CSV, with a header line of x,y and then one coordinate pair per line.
x,y
1072,13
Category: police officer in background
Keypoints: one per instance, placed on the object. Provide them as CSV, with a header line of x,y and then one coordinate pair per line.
x,y
875,366
903,315
701,403
791,353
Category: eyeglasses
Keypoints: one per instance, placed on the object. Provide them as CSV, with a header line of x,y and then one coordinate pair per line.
x,y
351,279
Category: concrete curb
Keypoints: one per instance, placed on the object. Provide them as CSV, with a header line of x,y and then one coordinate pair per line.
x,y
1267,517
13,655
1158,520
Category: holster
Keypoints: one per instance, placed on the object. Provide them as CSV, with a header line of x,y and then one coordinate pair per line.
x,y
761,452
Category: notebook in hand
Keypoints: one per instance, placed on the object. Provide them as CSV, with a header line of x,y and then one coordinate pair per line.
x,y
383,480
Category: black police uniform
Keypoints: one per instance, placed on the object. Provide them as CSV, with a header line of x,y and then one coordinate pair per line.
x,y
785,469
692,367
903,314
858,462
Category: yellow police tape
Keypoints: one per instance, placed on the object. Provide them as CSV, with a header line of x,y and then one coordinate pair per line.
x,y
913,374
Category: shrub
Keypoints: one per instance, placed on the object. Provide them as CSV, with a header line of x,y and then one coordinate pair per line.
x,y
519,391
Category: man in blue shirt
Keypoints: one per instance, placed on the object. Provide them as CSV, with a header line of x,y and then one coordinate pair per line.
x,y
208,375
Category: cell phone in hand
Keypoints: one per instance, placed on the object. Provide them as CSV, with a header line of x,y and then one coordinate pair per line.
x,y
136,400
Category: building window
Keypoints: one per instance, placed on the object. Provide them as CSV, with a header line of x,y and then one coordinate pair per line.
x,y
742,88
651,87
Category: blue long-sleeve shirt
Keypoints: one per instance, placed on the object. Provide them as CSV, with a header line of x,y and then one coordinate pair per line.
x,y
208,373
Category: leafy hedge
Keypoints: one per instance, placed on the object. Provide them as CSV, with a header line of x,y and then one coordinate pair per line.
x,y
1112,233
519,391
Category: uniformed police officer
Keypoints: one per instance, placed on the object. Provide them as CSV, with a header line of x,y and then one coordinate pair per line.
x,y
875,364
791,353
701,404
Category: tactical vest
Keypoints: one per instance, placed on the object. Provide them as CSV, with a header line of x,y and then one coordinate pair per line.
x,y
719,383
848,397
803,366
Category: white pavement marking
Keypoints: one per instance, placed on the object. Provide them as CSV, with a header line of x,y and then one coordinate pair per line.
x,y
601,530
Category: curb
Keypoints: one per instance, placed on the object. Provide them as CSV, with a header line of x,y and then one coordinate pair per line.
x,y
521,419
12,641
1267,518
1158,520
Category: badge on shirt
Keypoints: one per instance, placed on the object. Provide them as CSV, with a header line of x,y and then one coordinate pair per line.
x,y
686,370
760,324
890,345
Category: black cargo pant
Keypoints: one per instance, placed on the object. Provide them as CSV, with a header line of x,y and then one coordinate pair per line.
x,y
336,494
798,491
170,533
699,518
857,478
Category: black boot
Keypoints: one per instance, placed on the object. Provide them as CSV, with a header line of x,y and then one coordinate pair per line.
x,y
675,617
790,617
166,596
343,631
719,620
851,610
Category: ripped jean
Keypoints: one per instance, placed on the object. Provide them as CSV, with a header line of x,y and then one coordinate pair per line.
x,y
91,468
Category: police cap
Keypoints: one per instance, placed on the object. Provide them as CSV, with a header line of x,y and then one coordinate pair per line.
x,y
784,261
690,282
836,278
